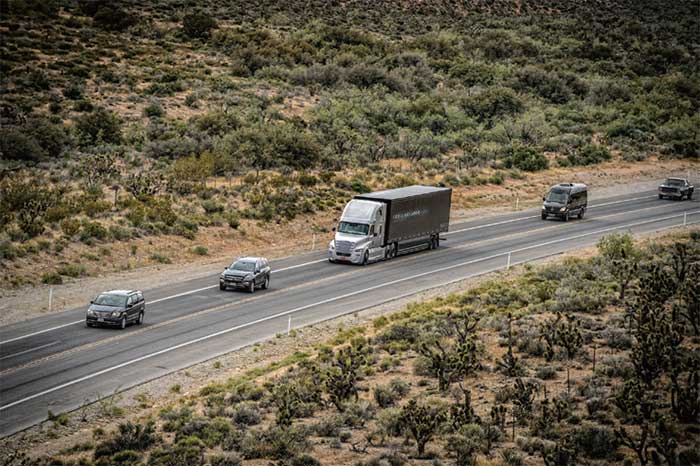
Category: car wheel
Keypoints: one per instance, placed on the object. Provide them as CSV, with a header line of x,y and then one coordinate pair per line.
x,y
660,196
251,288
365,258
581,213
122,323
544,216
222,287
266,285
690,196
140,319
566,217
88,324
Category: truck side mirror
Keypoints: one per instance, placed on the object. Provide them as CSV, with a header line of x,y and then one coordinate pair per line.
x,y
333,229
544,199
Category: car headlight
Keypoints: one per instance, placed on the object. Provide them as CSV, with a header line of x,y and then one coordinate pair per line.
x,y
222,276
563,209
90,312
116,313
359,249
543,207
248,277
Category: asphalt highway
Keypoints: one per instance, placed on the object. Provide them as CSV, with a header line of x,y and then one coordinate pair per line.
x,y
55,362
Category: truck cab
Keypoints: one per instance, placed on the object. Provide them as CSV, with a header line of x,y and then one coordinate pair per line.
x,y
358,237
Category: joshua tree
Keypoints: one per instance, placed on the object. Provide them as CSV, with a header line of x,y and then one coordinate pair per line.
x,y
421,422
341,377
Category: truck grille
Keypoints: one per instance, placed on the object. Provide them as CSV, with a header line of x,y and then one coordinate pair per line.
x,y
343,247
666,189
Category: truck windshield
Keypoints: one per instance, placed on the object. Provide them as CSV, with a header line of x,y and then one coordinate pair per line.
x,y
110,300
557,196
673,182
353,228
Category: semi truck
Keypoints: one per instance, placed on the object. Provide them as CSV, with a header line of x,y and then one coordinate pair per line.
x,y
381,225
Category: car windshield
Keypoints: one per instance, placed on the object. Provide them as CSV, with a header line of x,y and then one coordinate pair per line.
x,y
110,300
353,228
672,182
557,196
245,266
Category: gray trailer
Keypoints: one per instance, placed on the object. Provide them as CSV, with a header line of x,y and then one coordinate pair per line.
x,y
381,225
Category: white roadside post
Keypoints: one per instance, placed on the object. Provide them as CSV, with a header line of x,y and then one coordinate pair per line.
x,y
289,326
50,298
517,202
508,263
313,242
685,218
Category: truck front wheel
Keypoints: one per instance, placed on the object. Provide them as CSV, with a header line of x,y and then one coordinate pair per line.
x,y
365,258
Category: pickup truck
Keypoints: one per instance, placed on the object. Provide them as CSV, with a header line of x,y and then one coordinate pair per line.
x,y
676,188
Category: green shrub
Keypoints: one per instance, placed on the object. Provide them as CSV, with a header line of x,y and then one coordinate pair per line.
x,y
8,251
124,458
72,270
228,459
200,250
52,278
493,102
359,186
210,431
233,220
160,258
70,227
129,436
154,109
588,155
113,18
275,443
597,442
92,230
198,25
186,452
99,126
525,158
307,180
246,414
212,207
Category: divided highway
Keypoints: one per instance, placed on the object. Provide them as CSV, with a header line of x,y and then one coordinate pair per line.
x,y
56,363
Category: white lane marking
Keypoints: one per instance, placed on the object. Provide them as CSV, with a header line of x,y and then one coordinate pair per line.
x,y
319,303
39,332
37,348
520,219
185,293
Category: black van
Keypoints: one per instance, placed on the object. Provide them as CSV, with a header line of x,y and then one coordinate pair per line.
x,y
565,200
116,308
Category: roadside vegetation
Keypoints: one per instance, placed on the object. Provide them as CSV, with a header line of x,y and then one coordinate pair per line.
x,y
126,120
582,361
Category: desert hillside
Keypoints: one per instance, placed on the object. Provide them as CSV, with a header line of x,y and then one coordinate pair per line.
x,y
144,132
